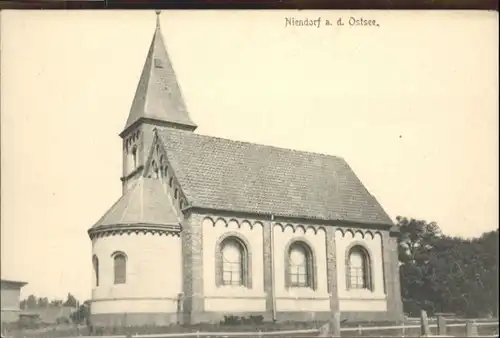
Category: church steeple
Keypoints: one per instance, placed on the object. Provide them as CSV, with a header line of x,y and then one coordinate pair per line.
x,y
158,103
158,98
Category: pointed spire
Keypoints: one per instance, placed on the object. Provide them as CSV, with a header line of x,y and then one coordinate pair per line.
x,y
158,98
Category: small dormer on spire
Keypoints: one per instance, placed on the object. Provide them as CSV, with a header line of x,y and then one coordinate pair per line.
x,y
158,99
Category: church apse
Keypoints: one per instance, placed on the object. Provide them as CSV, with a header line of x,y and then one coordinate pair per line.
x,y
150,281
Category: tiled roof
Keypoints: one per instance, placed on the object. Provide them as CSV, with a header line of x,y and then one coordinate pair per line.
x,y
158,95
223,174
145,202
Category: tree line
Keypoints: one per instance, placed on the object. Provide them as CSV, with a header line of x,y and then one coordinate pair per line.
x,y
34,302
79,315
446,274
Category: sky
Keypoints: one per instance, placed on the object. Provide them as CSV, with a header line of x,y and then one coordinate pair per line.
x,y
412,106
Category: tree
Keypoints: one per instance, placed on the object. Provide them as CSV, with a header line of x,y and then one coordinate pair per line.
x,y
31,302
43,302
416,237
56,303
416,240
447,274
82,314
71,301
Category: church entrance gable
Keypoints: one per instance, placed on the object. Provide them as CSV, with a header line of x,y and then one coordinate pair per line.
x,y
158,168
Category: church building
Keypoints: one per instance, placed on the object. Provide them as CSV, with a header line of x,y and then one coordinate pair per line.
x,y
208,227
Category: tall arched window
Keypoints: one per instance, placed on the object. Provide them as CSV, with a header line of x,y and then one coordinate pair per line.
x,y
95,264
358,268
300,267
155,169
233,262
134,157
120,267
161,167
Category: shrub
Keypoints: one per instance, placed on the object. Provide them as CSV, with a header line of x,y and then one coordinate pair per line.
x,y
236,320
63,321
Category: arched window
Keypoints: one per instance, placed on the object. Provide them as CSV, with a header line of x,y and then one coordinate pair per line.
x,y
171,182
155,169
176,193
358,268
300,266
134,157
95,264
120,267
233,263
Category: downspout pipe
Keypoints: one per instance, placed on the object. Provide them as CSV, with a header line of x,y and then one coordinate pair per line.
x,y
273,286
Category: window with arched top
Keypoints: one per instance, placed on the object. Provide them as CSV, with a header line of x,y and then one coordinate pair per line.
x,y
176,193
300,266
358,269
232,260
171,182
95,265
155,169
134,157
120,268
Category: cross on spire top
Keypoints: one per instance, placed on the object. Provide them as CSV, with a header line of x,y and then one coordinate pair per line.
x,y
158,12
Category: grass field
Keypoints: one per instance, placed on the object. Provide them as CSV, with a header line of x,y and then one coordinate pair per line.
x,y
348,330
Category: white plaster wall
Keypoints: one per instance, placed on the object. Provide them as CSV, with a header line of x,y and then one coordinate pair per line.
x,y
360,300
300,299
154,274
233,298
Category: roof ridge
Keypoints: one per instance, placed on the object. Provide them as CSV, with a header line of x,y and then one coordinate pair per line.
x,y
259,144
224,174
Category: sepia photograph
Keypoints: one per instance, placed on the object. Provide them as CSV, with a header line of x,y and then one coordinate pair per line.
x,y
312,173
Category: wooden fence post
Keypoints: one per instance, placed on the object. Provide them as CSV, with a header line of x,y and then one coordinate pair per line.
x,y
441,325
424,324
180,301
471,329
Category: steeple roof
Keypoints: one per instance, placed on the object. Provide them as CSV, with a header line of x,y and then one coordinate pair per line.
x,y
158,97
